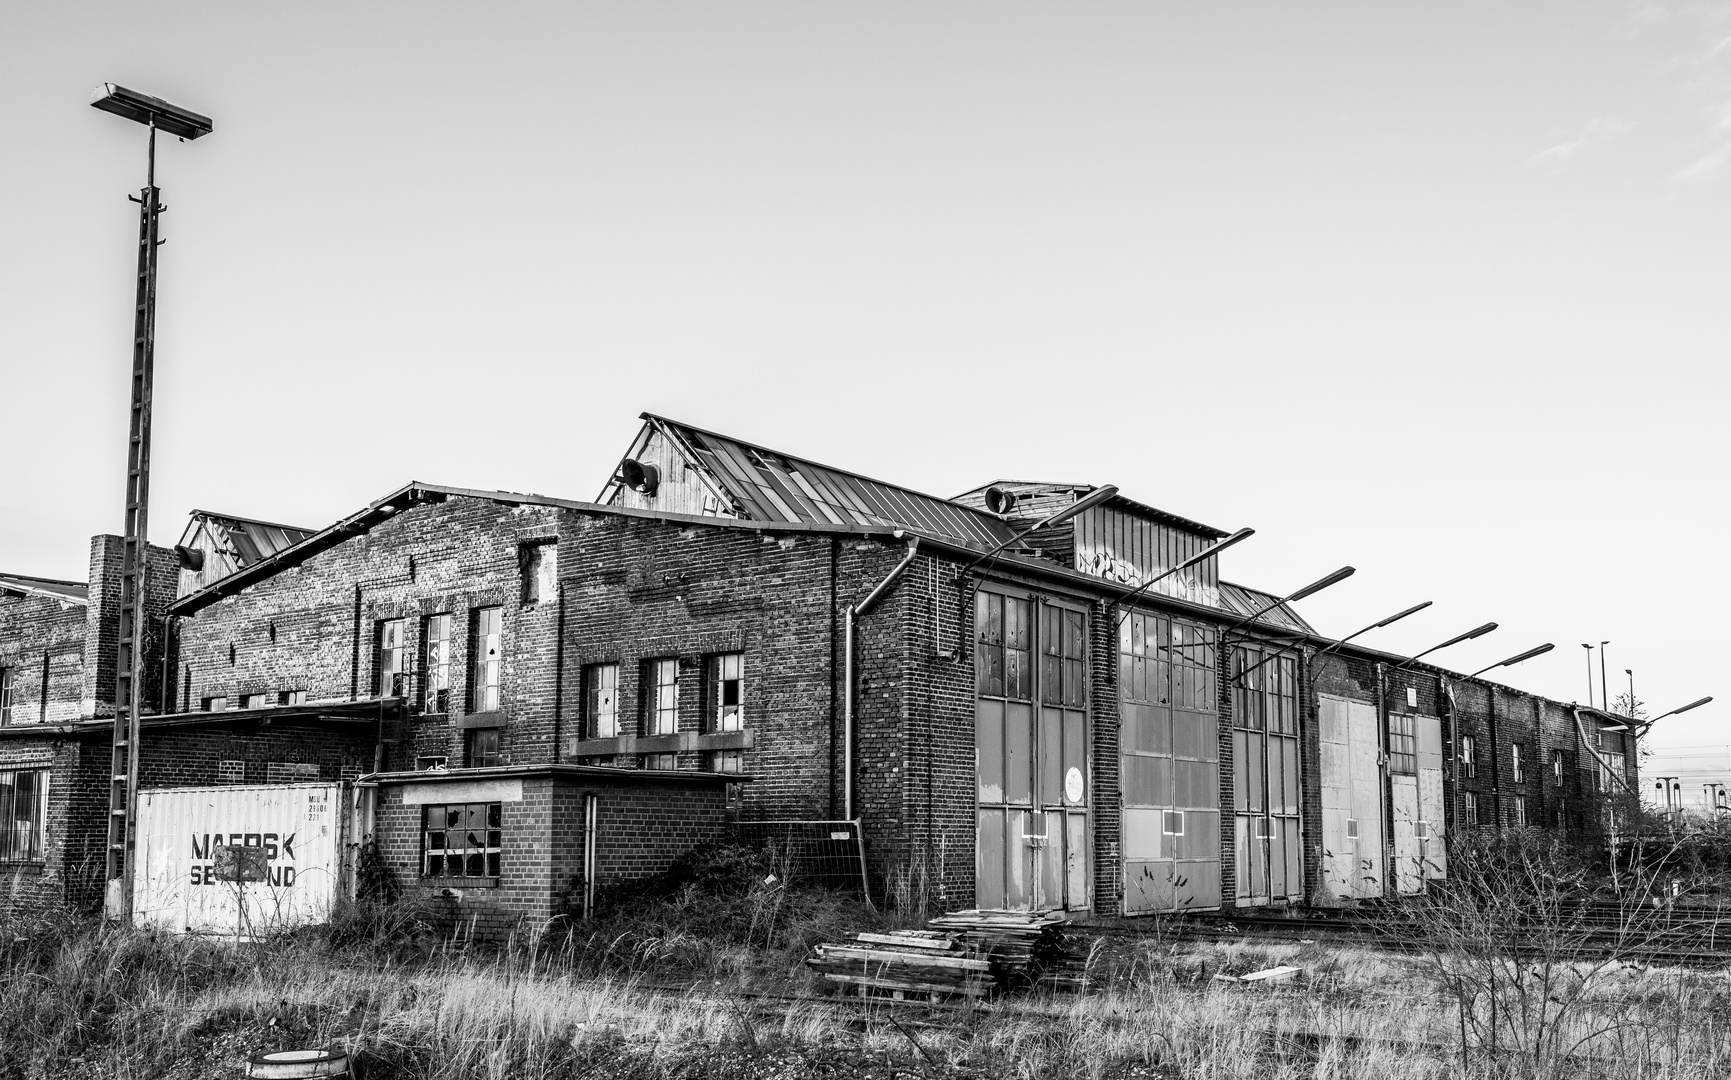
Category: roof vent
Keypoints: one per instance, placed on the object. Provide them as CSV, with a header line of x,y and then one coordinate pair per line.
x,y
639,477
999,500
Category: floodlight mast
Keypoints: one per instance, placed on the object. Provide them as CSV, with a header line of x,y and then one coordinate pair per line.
x,y
154,113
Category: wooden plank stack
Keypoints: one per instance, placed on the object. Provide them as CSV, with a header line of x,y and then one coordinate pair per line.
x,y
917,963
965,953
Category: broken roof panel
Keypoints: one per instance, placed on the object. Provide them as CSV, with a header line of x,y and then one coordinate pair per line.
x,y
772,486
249,539
76,592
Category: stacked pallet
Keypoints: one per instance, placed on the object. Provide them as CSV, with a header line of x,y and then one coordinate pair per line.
x,y
908,962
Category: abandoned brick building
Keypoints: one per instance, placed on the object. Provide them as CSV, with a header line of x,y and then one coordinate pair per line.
x,y
1084,717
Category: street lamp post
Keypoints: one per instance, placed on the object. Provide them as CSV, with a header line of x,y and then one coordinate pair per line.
x,y
1604,685
155,114
1589,649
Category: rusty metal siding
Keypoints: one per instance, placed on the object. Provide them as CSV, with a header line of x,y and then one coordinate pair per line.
x,y
302,829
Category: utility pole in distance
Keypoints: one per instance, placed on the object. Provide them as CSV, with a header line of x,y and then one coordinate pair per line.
x,y
154,113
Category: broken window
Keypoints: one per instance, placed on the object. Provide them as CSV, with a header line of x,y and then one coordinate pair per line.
x,y
5,695
540,565
1402,743
436,663
662,703
462,840
485,660
1470,803
1469,767
252,701
601,700
291,697
389,682
1517,763
1004,628
215,704
483,748
23,814
1519,808
1557,767
728,683
1063,675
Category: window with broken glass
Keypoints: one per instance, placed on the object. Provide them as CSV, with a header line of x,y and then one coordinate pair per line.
x,y
436,663
389,639
5,695
727,707
1403,743
486,659
462,840
601,700
540,566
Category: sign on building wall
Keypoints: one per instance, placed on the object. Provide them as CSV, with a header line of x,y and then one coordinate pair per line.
x,y
239,859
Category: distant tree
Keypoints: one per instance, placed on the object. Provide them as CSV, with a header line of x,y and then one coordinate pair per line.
x,y
1627,704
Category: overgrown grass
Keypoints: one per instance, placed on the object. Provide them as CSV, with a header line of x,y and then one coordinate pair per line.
x,y
699,975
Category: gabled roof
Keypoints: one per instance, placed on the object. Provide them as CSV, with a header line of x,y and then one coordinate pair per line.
x,y
1245,601
768,485
249,539
75,592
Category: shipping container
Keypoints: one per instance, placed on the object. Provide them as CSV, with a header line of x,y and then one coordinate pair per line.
x,y
240,859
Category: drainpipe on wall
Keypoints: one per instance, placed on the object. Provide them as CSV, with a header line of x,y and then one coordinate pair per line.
x,y
1496,759
853,613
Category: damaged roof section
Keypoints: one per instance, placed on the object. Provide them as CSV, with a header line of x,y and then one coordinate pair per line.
x,y
215,546
73,592
735,478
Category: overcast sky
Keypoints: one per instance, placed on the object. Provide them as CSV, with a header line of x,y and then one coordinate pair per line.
x,y
1439,291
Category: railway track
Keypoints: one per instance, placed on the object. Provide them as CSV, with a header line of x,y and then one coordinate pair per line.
x,y
1697,938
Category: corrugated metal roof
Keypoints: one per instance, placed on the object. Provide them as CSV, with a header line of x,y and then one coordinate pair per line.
x,y
1244,601
252,540
76,591
772,486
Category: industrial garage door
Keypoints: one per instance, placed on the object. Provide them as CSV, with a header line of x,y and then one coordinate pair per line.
x,y
1031,752
1352,779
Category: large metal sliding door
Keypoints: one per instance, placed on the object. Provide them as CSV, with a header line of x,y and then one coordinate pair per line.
x,y
1031,752
1265,776
1169,757
1352,786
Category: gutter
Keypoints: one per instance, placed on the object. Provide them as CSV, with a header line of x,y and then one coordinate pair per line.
x,y
853,613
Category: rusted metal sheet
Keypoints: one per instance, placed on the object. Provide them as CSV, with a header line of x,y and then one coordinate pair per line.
x,y
293,875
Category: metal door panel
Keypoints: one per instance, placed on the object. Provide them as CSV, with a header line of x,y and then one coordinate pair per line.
x,y
989,860
1076,860
1409,879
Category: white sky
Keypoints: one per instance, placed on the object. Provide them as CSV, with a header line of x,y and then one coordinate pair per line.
x,y
1435,290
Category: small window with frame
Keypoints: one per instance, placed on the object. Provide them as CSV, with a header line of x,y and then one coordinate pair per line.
x,y
389,681
487,659
436,663
462,840
661,697
1469,766
727,688
601,700
482,746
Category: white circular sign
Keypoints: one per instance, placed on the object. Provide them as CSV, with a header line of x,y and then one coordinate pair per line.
x,y
1073,785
